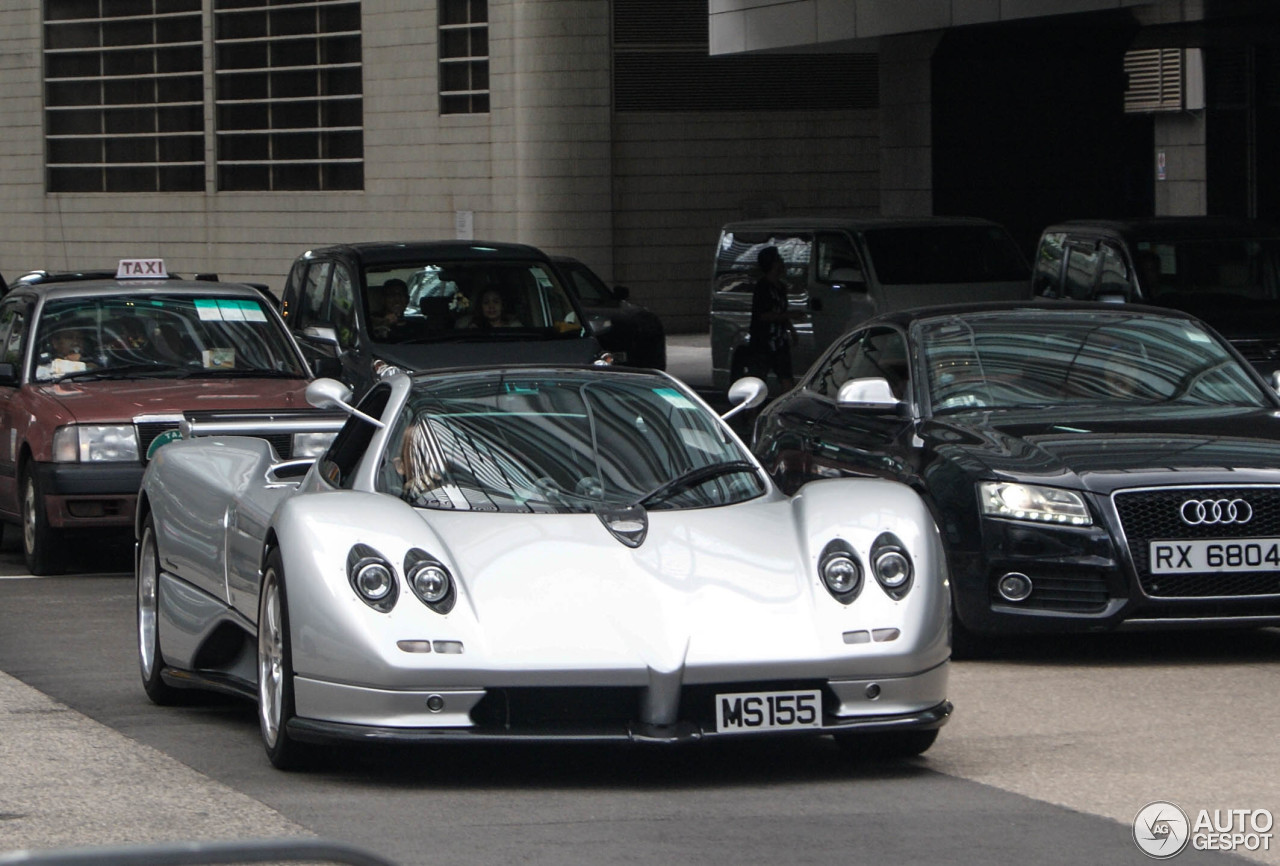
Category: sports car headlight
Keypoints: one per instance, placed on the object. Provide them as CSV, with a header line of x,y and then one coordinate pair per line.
x,y
430,580
95,443
371,577
840,571
1032,502
892,566
311,444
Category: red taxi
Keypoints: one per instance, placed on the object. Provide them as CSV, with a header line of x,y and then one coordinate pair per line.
x,y
96,374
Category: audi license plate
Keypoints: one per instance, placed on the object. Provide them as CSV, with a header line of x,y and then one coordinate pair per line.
x,y
767,711
1215,554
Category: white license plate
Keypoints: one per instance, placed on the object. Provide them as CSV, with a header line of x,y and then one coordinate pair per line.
x,y
1215,554
767,711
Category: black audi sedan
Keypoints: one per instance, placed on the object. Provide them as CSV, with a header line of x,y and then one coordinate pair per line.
x,y
1091,467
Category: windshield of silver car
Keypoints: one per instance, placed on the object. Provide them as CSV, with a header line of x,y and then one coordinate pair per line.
x,y
1062,359
567,443
127,336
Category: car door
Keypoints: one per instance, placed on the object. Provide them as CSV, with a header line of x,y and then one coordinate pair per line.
x,y
15,318
838,295
856,440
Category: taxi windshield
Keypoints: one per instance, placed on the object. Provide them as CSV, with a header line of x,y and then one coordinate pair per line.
x,y
562,444
123,336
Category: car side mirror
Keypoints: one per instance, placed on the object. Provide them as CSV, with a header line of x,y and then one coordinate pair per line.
x,y
851,279
327,367
622,293
873,394
8,374
746,393
321,334
332,394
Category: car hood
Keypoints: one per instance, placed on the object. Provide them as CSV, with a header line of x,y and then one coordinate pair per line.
x,y
102,400
485,350
709,588
1102,451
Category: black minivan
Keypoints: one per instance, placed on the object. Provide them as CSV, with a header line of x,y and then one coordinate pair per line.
x,y
364,310
1224,271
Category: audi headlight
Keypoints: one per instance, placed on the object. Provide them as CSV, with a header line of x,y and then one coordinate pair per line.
x,y
892,566
371,577
311,444
95,443
840,570
430,581
1032,502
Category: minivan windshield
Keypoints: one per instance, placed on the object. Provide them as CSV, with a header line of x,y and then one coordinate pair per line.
x,y
431,301
925,255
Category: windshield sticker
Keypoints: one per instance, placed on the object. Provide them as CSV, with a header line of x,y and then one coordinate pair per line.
x,y
229,310
674,397
1198,337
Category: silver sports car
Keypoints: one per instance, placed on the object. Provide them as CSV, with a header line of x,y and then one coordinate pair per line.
x,y
535,553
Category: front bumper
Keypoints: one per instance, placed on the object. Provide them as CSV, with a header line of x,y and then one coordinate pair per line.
x,y
332,711
1083,582
89,495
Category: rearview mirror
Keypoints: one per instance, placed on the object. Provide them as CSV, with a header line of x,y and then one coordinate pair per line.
x,y
332,394
871,393
848,278
746,393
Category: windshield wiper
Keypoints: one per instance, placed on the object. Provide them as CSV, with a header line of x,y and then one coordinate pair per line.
x,y
693,478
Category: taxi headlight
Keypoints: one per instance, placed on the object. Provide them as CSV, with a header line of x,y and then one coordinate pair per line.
x,y
95,443
1033,502
311,444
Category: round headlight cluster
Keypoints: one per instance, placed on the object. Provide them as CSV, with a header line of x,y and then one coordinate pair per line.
x,y
371,577
430,580
840,571
891,565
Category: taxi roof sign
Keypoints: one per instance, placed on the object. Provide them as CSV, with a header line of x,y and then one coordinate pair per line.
x,y
132,269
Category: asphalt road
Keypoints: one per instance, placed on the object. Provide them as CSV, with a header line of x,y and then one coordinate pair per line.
x,y
1054,747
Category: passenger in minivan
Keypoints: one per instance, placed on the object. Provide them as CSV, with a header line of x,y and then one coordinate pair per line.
x,y
771,331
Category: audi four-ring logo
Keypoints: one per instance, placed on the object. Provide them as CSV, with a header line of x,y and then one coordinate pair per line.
x,y
1196,512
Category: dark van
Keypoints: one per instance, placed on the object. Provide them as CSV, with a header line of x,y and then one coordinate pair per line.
x,y
1222,270
844,270
364,310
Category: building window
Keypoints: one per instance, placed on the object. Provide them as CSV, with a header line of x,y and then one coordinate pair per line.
x,y
124,95
288,95
464,56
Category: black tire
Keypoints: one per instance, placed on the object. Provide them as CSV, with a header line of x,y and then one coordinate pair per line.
x,y
887,745
275,671
147,596
41,543
967,644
